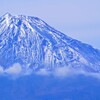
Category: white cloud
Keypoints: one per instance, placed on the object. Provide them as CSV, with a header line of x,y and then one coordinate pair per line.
x,y
1,70
68,72
43,72
14,69
91,74
62,72
57,72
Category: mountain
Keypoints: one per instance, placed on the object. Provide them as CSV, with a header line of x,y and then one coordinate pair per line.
x,y
34,44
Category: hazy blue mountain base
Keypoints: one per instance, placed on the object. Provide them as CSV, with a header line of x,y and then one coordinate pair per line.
x,y
35,87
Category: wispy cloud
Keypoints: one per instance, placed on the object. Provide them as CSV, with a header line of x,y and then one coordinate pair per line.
x,y
1,70
43,72
14,69
61,72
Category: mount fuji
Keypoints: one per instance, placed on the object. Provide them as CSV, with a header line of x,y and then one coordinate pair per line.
x,y
35,45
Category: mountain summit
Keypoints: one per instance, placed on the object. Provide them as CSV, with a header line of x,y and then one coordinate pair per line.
x,y
34,44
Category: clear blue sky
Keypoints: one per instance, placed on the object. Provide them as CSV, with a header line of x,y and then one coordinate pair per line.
x,y
79,19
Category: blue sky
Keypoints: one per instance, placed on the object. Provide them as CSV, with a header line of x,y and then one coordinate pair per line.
x,y
79,19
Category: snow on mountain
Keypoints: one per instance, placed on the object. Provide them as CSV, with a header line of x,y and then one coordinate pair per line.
x,y
34,44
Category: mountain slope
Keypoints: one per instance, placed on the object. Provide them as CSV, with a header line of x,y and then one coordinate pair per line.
x,y
32,43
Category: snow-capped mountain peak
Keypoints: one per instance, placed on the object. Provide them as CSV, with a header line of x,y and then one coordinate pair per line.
x,y
34,44
7,15
6,18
